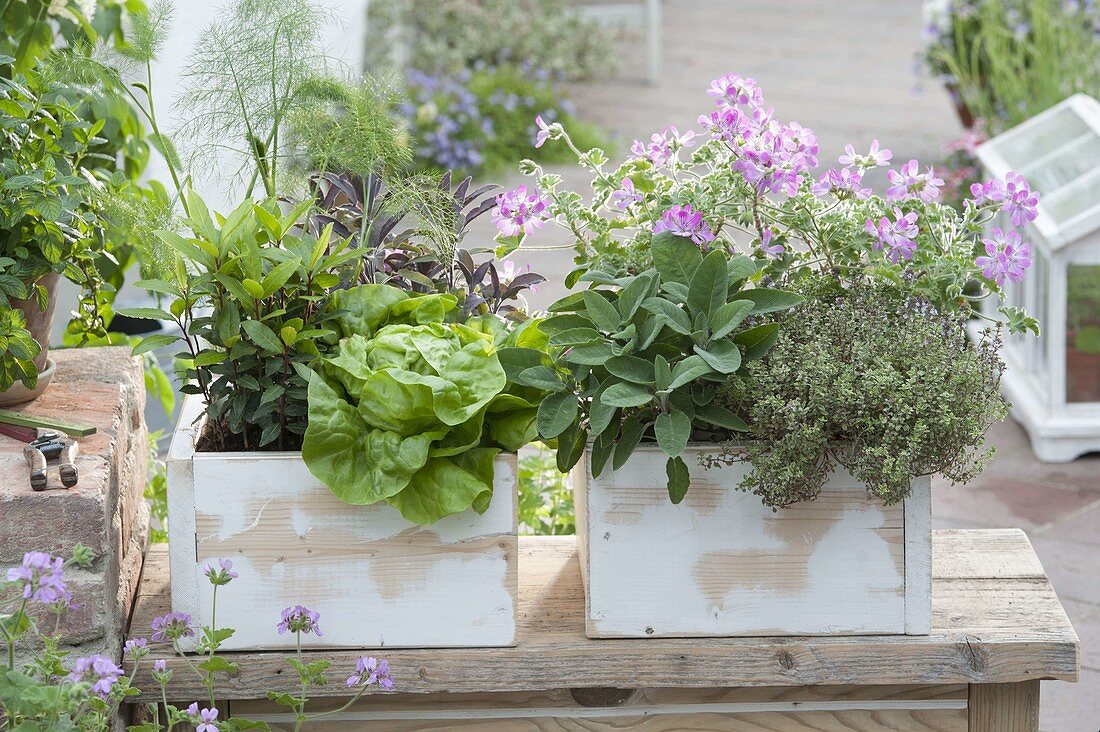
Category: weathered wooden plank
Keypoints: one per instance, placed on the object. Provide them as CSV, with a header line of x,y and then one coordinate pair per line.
x,y
1005,707
838,565
1001,553
925,708
988,630
377,579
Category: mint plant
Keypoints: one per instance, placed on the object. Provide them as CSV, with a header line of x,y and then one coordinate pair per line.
x,y
646,353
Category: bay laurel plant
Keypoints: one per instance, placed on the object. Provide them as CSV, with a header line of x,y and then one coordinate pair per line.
x,y
745,190
52,692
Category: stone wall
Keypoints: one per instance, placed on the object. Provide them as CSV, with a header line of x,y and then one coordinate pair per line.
x,y
105,511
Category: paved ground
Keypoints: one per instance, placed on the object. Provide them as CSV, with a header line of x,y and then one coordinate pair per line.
x,y
847,71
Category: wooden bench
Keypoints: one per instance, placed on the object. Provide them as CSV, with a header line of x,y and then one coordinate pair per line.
x,y
998,628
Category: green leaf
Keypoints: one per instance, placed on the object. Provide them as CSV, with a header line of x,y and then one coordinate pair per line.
x,y
740,267
766,300
720,417
632,296
669,313
602,448
556,413
540,377
145,313
217,664
757,340
446,486
600,415
626,395
575,337
728,316
517,360
593,355
631,368
676,258
629,437
571,446
153,342
722,356
602,313
708,288
568,321
278,276
662,372
673,429
210,357
262,336
679,480
690,369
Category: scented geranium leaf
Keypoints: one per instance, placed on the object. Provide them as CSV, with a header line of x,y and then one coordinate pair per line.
x,y
360,310
722,356
766,300
361,465
676,258
757,340
556,413
708,289
679,479
728,316
673,429
446,486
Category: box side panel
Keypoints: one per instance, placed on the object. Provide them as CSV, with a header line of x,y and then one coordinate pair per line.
x,y
181,508
376,579
722,563
918,558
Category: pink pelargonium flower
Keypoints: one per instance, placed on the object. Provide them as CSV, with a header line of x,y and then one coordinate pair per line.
x,y
43,578
899,235
733,89
224,573
772,250
624,197
102,672
1006,256
370,671
172,627
207,720
872,159
1021,203
544,131
687,222
662,145
727,124
909,182
843,183
520,212
300,619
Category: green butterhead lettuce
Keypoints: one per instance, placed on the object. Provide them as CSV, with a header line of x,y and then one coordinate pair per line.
x,y
413,409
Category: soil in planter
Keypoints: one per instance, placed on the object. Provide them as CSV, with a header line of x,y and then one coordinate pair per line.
x,y
218,438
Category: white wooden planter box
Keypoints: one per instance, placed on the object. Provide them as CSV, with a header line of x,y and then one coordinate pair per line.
x,y
376,579
723,564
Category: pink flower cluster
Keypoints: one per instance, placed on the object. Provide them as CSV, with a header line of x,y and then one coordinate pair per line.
x,y
898,235
520,212
909,182
102,672
687,222
1006,256
1013,195
662,146
42,577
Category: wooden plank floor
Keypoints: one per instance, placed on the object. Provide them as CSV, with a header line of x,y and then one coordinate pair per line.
x,y
995,619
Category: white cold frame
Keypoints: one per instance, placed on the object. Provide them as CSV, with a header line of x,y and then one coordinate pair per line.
x,y
1053,381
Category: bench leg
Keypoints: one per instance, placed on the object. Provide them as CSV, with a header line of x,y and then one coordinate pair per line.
x,y
1004,707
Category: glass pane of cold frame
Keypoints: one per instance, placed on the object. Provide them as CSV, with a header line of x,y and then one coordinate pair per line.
x,y
1083,333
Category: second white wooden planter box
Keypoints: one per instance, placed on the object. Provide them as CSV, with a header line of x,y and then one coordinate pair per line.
x,y
376,579
722,564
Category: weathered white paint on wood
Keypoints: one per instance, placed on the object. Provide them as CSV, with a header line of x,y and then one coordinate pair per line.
x,y
723,564
375,578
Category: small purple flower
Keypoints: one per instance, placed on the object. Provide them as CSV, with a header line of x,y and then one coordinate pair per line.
x,y
992,191
1006,256
102,672
732,89
43,578
625,196
687,222
727,124
207,719
898,235
662,145
520,212
136,647
172,627
160,665
223,575
909,182
544,132
299,619
1021,203
772,250
843,183
872,159
370,671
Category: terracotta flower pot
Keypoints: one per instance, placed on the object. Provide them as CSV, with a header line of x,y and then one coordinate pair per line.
x,y
40,324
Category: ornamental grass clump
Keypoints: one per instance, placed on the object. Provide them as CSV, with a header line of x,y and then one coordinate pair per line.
x,y
872,379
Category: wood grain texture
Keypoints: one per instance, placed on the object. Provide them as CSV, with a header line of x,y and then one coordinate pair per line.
x,y
843,564
990,624
929,708
1005,707
377,579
